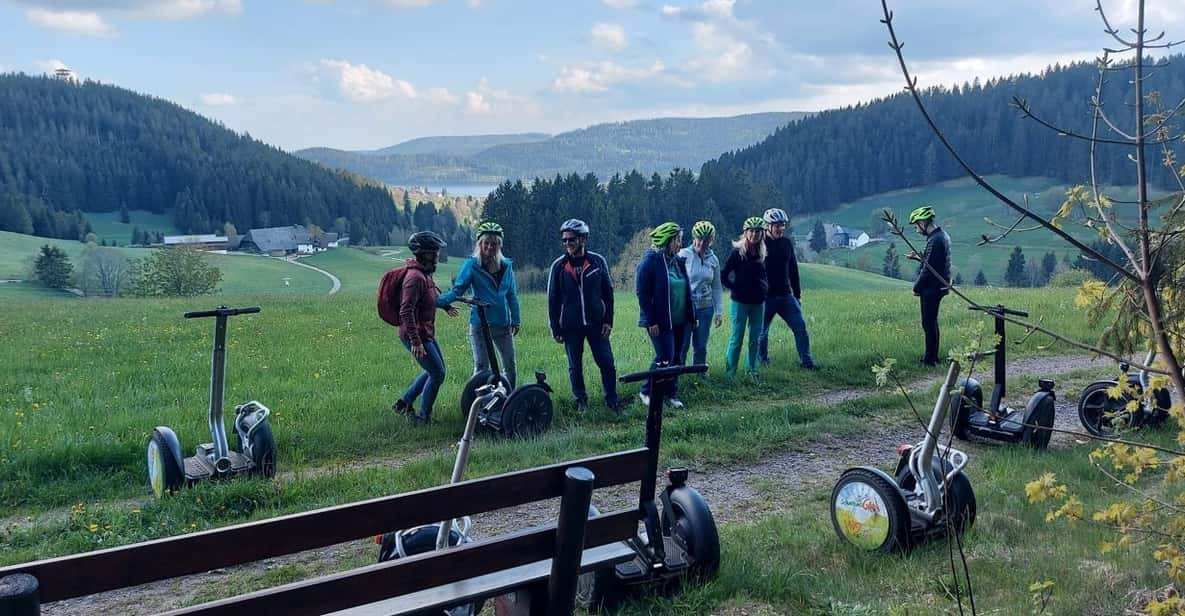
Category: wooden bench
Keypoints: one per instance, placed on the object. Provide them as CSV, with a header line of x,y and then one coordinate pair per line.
x,y
544,560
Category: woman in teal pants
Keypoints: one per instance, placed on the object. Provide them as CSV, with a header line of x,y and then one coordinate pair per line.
x,y
745,278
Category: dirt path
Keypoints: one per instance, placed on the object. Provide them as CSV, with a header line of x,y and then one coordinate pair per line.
x,y
337,283
736,492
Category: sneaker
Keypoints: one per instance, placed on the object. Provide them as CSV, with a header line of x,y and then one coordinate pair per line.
x,y
644,398
401,406
675,403
618,407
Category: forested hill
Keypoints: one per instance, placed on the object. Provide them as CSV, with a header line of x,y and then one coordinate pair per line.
x,y
90,147
657,145
840,155
463,145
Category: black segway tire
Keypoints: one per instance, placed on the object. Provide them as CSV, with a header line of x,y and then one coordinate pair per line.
x,y
263,451
1041,417
469,391
959,499
166,472
868,494
970,401
694,529
527,412
1098,412
599,589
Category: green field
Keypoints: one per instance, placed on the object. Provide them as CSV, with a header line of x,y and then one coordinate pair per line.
x,y
961,206
360,269
106,225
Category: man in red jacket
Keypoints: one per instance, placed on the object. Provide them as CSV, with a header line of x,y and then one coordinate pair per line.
x,y
417,324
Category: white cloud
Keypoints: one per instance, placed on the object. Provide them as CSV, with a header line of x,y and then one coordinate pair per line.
x,y
719,8
620,4
485,100
598,76
362,84
216,99
49,66
608,36
410,4
722,58
672,11
441,96
76,22
186,9
476,103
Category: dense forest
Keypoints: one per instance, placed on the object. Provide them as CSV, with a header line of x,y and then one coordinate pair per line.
x,y
657,145
843,154
66,149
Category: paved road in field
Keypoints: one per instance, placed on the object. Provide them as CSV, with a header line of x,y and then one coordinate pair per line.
x,y
337,284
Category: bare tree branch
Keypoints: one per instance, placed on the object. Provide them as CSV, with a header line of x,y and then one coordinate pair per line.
x,y
1107,25
1094,182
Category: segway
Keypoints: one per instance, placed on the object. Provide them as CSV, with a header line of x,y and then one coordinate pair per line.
x,y
1102,414
677,542
439,536
1029,426
927,497
512,411
255,450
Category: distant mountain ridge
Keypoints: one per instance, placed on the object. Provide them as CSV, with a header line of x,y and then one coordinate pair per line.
x,y
648,146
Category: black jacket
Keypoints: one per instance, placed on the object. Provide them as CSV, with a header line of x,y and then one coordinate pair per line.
x,y
937,255
579,293
781,264
745,279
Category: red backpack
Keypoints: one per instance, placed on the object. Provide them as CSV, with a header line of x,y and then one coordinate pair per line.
x,y
390,294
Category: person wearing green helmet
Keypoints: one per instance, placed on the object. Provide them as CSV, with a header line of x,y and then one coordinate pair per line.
x,y
933,278
745,277
664,299
707,294
490,275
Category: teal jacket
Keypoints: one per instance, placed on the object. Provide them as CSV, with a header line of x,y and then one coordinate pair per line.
x,y
503,310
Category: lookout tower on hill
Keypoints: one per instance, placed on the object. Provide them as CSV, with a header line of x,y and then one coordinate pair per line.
x,y
66,74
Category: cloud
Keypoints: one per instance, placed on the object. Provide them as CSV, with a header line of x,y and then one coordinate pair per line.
x,y
719,8
361,84
410,4
608,36
672,11
216,99
186,9
722,57
485,100
620,4
598,76
441,96
49,66
87,23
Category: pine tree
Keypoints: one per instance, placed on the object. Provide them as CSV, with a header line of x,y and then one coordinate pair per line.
x,y
1049,265
137,236
124,215
892,264
958,281
818,241
1015,275
980,279
52,267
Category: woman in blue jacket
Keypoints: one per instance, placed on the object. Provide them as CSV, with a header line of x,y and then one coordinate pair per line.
x,y
664,296
491,277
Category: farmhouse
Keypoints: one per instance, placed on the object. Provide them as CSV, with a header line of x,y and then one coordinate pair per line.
x,y
277,241
839,236
209,241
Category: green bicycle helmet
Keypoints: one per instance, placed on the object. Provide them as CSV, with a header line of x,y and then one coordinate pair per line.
x,y
702,229
754,222
490,227
664,233
922,213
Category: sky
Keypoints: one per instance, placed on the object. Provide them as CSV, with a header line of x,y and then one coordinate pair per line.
x,y
365,74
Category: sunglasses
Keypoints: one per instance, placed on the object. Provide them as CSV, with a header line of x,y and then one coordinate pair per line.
x,y
568,240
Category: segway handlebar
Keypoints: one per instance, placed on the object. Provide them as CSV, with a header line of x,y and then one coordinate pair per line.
x,y
998,310
668,371
221,311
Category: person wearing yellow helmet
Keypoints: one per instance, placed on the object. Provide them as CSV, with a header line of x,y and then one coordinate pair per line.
x,y
490,275
664,301
933,278
745,277
707,293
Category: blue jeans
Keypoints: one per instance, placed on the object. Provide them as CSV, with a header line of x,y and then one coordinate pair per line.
x,y
429,381
602,353
667,345
744,316
697,337
791,312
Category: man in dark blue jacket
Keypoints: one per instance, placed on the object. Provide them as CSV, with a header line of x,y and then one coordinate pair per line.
x,y
580,308
933,277
664,299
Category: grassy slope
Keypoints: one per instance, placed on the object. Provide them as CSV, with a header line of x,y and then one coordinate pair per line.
x,y
106,225
961,206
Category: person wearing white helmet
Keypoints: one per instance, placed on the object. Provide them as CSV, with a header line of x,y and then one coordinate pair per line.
x,y
785,289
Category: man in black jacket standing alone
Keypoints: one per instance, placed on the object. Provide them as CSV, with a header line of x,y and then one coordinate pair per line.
x,y
785,292
933,276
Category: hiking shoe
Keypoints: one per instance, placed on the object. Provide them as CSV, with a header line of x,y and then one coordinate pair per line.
x,y
674,403
617,407
402,407
644,398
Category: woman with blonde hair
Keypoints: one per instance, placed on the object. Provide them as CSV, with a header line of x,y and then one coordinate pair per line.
x,y
745,277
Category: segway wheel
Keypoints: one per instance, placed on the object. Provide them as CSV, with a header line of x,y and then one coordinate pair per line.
x,y
694,529
1042,417
469,391
959,503
599,589
527,411
165,473
869,512
263,451
963,406
1099,412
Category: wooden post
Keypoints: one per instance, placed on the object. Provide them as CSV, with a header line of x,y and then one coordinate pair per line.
x,y
18,595
569,535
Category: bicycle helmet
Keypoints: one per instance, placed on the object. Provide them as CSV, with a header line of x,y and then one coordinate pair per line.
x,y
664,233
425,241
774,216
492,228
703,228
575,225
922,213
754,222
